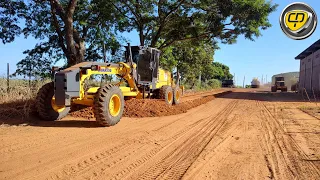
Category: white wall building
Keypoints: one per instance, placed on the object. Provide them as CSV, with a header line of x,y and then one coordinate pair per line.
x,y
309,77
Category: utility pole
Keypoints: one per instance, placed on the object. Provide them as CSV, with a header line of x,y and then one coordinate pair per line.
x,y
29,73
8,74
267,79
244,78
200,79
237,79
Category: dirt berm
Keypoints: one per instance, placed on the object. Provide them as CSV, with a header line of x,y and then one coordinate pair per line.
x,y
151,107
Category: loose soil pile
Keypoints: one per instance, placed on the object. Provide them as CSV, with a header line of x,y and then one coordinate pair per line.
x,y
19,111
148,107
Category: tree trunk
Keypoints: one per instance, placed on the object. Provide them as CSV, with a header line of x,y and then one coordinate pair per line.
x,y
156,37
72,47
81,52
141,35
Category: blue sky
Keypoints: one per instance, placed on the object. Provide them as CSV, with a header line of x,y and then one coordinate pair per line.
x,y
270,54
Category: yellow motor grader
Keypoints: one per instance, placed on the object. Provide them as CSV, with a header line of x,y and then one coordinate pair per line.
x,y
140,73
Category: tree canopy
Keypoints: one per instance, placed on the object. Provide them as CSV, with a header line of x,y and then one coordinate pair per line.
x,y
180,20
73,30
186,31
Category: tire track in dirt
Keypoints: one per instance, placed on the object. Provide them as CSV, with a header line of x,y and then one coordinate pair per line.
x,y
191,146
224,134
185,151
76,146
37,143
293,146
143,159
91,167
100,162
183,118
284,154
81,164
136,160
139,160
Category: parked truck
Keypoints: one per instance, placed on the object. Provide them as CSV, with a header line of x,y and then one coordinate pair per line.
x,y
255,83
279,85
227,83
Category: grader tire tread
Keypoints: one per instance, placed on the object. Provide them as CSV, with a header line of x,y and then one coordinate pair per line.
x,y
43,104
101,99
163,93
175,93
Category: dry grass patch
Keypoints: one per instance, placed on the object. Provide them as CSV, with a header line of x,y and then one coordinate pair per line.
x,y
18,103
311,110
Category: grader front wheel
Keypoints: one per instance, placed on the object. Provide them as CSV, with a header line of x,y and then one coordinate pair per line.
x,y
108,105
46,106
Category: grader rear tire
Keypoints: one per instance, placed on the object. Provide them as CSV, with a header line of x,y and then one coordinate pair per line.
x,y
166,93
108,105
45,104
176,95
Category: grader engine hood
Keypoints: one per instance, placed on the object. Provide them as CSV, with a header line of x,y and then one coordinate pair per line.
x,y
67,83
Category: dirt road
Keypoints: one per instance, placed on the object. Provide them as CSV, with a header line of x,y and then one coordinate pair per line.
x,y
242,135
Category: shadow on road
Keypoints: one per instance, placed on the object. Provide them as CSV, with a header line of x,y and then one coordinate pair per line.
x,y
267,96
67,123
22,113
35,121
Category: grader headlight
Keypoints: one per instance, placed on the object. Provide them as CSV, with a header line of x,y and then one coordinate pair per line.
x,y
95,67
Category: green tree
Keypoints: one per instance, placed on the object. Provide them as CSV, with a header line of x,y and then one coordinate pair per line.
x,y
73,30
189,58
76,29
179,20
217,71
220,71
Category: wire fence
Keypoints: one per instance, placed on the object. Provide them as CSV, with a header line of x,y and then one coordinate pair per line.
x,y
16,89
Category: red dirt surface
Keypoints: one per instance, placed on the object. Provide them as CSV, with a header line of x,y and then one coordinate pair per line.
x,y
247,134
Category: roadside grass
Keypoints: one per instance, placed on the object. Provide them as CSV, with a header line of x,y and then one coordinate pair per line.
x,y
316,108
311,110
19,101
284,107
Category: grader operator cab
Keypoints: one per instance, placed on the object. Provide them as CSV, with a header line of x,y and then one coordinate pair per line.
x,y
141,73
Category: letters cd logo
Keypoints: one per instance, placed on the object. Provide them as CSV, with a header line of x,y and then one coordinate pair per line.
x,y
298,20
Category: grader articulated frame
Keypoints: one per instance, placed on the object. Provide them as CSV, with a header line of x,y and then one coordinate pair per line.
x,y
141,73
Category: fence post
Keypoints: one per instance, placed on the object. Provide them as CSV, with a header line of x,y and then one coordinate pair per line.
x,y
8,74
314,96
307,94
